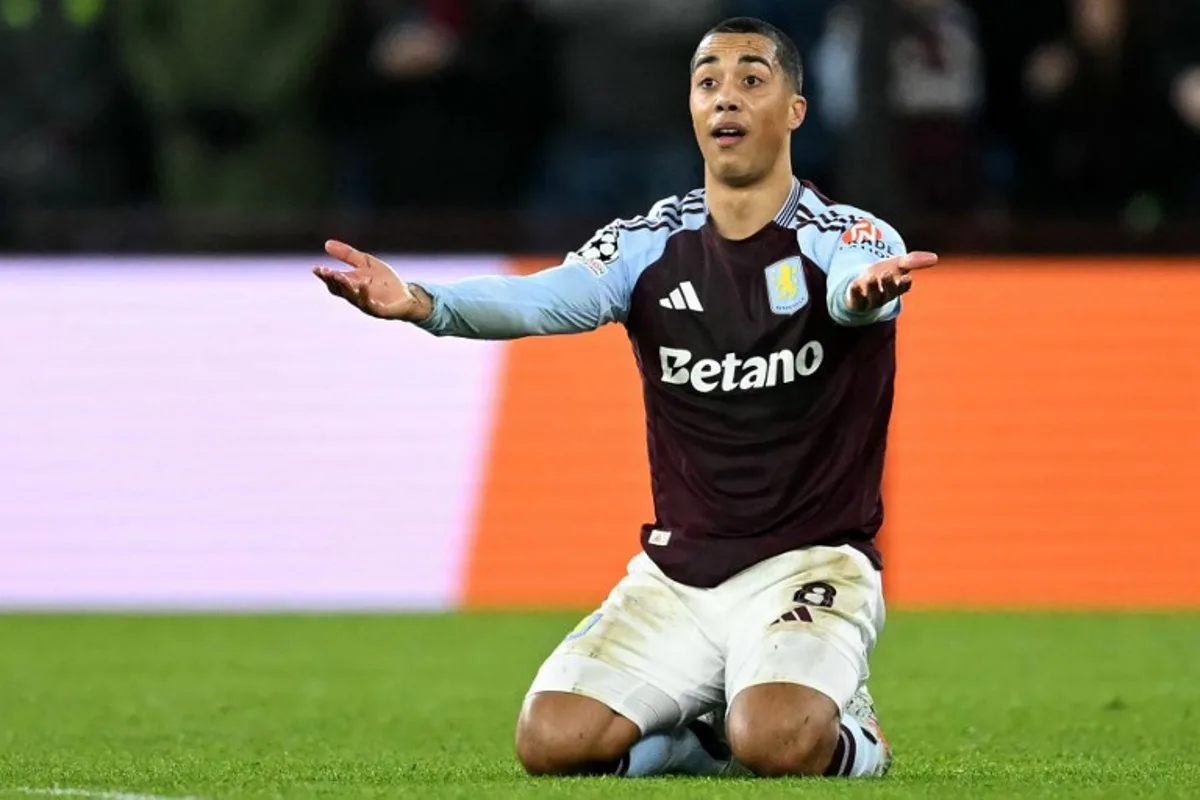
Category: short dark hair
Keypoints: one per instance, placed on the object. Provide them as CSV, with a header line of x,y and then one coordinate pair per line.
x,y
785,49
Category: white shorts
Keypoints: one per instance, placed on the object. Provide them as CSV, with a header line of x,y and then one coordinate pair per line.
x,y
661,653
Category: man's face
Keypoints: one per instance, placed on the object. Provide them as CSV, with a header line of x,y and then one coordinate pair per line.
x,y
743,106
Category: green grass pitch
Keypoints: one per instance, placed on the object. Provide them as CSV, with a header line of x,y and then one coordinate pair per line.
x,y
976,705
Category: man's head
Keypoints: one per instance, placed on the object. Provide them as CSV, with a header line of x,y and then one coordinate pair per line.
x,y
746,98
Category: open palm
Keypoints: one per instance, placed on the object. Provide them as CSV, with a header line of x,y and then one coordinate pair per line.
x,y
370,285
887,280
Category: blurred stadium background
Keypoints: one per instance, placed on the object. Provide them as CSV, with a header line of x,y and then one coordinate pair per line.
x,y
187,421
181,393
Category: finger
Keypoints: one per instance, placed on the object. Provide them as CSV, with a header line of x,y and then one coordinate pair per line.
x,y
896,285
340,284
882,275
325,273
338,289
860,292
346,254
329,275
918,260
876,295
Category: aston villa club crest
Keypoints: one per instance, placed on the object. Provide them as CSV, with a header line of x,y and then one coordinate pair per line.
x,y
786,287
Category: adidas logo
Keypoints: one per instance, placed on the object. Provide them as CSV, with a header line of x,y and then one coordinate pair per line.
x,y
798,614
682,298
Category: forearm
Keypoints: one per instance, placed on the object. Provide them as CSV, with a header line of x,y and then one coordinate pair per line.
x,y
565,299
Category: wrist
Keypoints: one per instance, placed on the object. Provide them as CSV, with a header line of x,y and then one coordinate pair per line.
x,y
423,307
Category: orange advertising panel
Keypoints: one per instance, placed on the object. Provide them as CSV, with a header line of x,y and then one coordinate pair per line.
x,y
1044,447
567,485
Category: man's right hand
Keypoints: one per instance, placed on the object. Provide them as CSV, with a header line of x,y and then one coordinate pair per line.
x,y
372,286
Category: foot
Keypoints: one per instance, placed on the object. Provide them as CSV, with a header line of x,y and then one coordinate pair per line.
x,y
710,730
862,708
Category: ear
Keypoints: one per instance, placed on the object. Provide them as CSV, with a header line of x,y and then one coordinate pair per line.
x,y
797,112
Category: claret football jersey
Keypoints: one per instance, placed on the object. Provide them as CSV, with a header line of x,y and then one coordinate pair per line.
x,y
767,399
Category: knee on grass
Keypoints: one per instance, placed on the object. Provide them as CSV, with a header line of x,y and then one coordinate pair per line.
x,y
778,733
567,734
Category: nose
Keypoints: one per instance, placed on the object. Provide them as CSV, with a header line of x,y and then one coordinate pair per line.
x,y
727,104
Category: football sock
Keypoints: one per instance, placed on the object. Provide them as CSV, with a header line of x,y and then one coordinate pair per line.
x,y
676,752
859,752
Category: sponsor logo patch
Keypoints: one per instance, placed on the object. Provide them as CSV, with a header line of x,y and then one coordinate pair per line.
x,y
866,235
735,373
862,231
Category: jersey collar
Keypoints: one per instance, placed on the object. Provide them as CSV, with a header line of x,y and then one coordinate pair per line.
x,y
787,215
791,205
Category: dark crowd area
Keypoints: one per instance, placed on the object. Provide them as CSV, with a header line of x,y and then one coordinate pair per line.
x,y
520,124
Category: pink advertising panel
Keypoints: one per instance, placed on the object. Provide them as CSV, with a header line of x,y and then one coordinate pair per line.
x,y
190,433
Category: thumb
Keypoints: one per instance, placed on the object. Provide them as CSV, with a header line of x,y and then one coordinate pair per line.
x,y
919,259
346,254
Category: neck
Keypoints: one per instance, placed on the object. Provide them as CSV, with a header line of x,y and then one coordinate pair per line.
x,y
739,212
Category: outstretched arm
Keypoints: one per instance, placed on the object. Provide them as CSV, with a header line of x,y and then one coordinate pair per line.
x,y
571,298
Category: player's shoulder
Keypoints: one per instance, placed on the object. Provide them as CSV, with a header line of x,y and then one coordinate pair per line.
x,y
672,213
636,242
824,224
824,215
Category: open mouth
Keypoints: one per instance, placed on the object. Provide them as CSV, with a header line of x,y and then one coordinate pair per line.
x,y
728,134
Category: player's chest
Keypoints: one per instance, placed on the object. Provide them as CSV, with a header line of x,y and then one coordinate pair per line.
x,y
718,305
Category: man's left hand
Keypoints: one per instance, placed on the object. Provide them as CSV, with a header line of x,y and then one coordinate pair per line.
x,y
886,280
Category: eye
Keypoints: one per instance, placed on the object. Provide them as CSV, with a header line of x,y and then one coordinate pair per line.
x,y
707,83
753,80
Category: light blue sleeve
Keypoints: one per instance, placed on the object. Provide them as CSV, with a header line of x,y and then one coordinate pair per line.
x,y
591,288
845,253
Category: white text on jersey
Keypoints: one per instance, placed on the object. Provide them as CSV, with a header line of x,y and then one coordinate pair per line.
x,y
734,372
